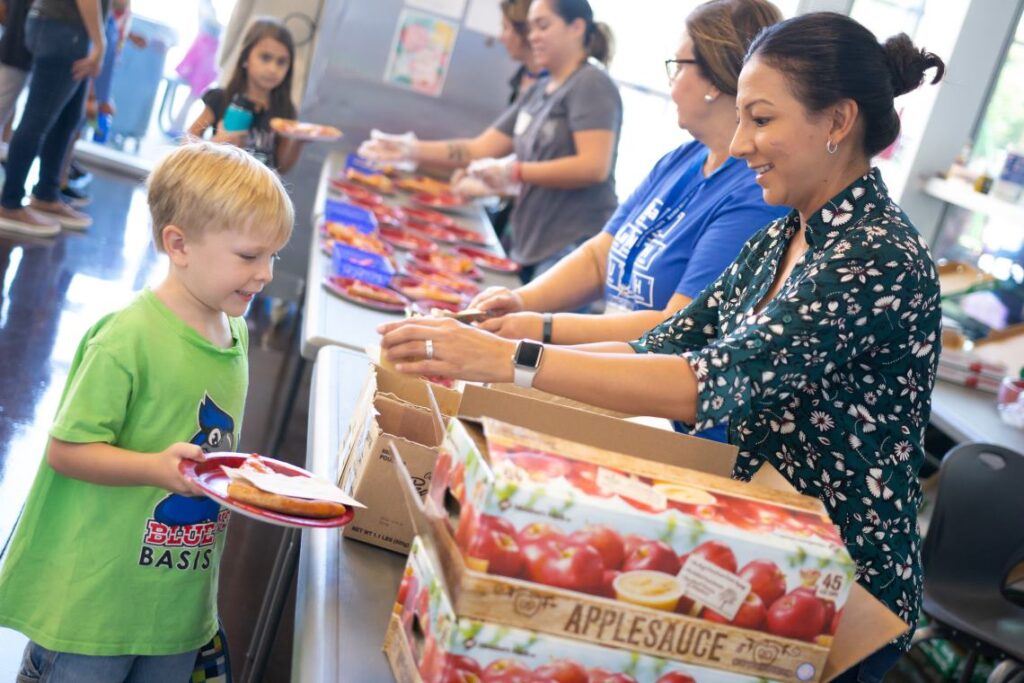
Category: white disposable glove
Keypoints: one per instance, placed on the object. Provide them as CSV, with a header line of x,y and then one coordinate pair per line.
x,y
384,147
500,175
464,185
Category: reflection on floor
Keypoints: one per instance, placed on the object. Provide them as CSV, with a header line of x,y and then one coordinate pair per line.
x,y
50,293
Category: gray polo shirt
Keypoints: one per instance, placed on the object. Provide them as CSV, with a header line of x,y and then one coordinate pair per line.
x,y
545,220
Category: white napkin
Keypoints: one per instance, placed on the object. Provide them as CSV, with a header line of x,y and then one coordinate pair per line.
x,y
312,488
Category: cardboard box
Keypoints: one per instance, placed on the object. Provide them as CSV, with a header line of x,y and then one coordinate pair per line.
x,y
367,475
866,624
390,406
426,641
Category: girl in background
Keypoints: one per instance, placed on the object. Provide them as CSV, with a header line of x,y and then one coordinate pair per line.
x,y
261,84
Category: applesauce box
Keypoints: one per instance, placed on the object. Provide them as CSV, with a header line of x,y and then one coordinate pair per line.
x,y
663,560
427,642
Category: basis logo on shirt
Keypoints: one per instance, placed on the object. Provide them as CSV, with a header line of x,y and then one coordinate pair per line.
x,y
190,522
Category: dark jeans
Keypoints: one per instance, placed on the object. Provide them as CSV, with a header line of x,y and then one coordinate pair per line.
x,y
872,669
53,111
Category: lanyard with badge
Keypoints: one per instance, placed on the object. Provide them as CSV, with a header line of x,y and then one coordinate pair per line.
x,y
671,213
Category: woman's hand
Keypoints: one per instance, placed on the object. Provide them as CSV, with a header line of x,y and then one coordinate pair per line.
x,y
169,477
388,147
501,300
88,66
231,137
527,325
502,176
455,350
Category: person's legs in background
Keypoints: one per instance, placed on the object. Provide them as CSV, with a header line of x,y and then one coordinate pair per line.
x,y
12,82
52,156
55,47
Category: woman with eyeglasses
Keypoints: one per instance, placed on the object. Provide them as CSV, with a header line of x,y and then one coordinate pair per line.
x,y
680,228
553,148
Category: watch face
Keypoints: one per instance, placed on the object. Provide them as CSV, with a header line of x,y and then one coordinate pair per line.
x,y
528,354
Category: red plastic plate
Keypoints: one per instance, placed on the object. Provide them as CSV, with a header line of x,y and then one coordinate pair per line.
x,y
209,476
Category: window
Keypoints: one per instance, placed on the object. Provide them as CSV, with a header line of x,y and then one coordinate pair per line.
x,y
886,18
995,242
642,44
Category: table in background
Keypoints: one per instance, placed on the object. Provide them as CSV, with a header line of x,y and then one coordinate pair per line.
x,y
345,588
965,415
332,321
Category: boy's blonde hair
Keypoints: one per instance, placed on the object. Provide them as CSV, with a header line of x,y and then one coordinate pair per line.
x,y
202,186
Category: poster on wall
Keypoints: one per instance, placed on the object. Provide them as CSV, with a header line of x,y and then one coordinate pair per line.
x,y
421,52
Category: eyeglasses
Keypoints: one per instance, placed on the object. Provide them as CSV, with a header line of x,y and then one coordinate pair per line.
x,y
674,66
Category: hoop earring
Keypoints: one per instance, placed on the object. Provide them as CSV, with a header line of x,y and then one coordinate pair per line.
x,y
709,98
831,147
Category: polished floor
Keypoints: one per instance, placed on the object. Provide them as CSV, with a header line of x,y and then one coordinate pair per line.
x,y
51,291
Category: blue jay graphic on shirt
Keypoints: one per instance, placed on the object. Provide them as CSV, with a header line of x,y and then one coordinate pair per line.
x,y
216,433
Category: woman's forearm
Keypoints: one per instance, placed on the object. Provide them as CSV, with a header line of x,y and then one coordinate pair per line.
x,y
574,328
648,384
566,173
575,281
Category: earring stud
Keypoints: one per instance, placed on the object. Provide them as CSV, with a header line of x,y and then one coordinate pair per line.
x,y
709,98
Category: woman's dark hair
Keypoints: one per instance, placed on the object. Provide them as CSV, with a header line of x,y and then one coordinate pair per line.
x,y
516,12
828,57
598,38
721,32
281,96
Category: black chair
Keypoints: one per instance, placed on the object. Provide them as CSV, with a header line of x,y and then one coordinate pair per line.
x,y
975,540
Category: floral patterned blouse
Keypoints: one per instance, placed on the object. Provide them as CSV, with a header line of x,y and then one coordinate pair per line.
x,y
831,381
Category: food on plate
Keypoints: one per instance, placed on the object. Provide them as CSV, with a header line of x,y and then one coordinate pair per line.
x,y
487,260
368,291
422,184
287,505
377,181
429,216
427,290
301,129
453,264
405,239
441,200
357,193
440,277
360,240
244,492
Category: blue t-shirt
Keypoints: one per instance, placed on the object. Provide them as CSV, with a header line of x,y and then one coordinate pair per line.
x,y
679,230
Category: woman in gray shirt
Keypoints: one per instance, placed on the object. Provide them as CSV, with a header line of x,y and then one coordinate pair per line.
x,y
558,141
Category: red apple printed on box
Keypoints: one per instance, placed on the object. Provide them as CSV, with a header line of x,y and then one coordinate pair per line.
x,y
549,511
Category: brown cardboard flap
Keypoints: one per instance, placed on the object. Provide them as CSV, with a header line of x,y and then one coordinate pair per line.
x,y
410,388
544,396
598,430
407,421
866,626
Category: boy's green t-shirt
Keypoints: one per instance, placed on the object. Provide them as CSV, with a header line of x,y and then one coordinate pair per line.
x,y
108,570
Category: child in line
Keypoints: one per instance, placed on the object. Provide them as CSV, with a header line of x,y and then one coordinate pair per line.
x,y
112,572
261,84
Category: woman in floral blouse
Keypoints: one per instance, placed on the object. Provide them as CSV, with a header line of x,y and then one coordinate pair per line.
x,y
820,342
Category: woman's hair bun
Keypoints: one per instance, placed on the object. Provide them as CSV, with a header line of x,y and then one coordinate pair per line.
x,y
907,64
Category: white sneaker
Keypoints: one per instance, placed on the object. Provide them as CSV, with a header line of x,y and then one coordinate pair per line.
x,y
27,222
66,216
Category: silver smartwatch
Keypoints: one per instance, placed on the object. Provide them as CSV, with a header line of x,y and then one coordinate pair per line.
x,y
526,362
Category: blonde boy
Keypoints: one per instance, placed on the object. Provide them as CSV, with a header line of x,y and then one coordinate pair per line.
x,y
112,572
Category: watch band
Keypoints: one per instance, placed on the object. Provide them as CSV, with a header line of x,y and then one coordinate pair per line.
x,y
548,318
523,377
